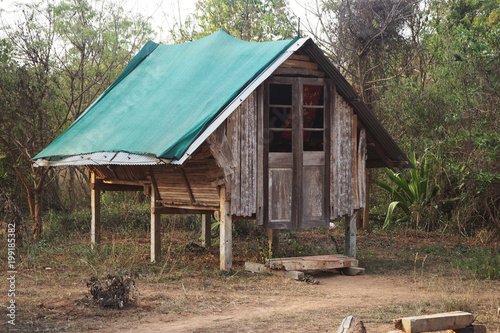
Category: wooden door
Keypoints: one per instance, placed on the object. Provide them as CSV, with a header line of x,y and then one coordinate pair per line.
x,y
280,120
297,144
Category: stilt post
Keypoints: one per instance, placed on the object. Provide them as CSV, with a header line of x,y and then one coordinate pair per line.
x,y
95,204
155,230
273,241
350,235
226,236
366,210
206,230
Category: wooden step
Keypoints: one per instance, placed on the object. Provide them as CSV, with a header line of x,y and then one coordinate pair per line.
x,y
311,263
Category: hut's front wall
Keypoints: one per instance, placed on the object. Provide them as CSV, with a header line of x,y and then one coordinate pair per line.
x,y
341,159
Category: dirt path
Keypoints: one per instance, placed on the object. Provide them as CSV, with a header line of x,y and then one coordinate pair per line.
x,y
334,294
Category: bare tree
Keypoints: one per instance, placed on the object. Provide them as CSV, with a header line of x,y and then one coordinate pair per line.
x,y
57,59
369,40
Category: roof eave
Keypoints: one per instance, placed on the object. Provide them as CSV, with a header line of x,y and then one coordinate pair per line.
x,y
101,158
366,116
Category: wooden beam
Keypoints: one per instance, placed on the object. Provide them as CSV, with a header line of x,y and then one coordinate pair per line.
x,y
302,57
154,183
350,235
95,204
311,263
298,71
226,241
218,182
188,187
379,152
300,64
155,230
115,187
206,230
170,210
205,209
141,182
435,322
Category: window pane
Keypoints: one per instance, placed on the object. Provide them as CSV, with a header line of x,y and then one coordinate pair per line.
x,y
280,141
280,94
280,118
313,141
313,95
313,118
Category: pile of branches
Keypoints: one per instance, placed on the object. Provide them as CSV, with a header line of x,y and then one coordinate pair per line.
x,y
114,292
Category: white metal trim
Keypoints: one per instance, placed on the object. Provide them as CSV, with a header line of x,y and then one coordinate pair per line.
x,y
240,98
102,158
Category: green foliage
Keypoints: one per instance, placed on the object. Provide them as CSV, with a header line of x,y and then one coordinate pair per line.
x,y
337,247
414,195
449,101
259,20
484,264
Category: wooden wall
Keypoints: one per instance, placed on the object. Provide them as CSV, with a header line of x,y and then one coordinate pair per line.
x,y
341,159
190,186
234,144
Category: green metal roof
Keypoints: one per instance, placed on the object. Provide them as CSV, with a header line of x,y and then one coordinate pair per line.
x,y
166,97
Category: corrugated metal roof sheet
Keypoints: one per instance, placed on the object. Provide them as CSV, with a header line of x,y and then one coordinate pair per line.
x,y
102,158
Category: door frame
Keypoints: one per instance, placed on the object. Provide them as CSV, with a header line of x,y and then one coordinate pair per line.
x,y
297,152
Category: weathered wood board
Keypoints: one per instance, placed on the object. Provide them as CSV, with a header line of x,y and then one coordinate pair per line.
x,y
435,322
315,263
261,268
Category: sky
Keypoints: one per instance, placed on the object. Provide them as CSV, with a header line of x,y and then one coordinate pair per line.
x,y
163,13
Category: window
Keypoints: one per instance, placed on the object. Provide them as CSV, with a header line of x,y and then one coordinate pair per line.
x,y
280,118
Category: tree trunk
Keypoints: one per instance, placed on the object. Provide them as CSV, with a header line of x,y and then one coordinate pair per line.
x,y
37,217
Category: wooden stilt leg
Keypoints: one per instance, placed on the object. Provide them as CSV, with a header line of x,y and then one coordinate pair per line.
x,y
155,230
226,236
95,203
273,241
366,210
350,236
206,230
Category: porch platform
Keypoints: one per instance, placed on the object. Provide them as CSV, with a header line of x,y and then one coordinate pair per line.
x,y
296,267
311,264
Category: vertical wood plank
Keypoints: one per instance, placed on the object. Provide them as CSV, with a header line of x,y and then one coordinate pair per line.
x,y
206,230
350,235
355,159
95,204
329,89
297,148
226,241
361,168
155,231
333,154
366,210
236,179
260,156
252,195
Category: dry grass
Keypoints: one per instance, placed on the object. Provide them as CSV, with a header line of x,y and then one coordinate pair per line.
x,y
188,285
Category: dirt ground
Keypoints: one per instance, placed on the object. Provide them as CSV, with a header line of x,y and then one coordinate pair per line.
x,y
247,302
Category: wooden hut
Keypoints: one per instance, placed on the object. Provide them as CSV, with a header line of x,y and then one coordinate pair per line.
x,y
266,131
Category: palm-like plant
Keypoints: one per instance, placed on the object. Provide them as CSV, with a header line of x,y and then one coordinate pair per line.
x,y
413,195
